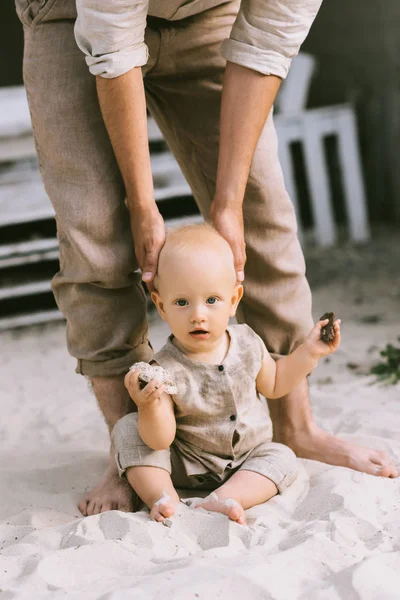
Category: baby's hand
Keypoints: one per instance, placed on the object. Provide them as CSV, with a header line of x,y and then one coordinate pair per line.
x,y
316,346
143,398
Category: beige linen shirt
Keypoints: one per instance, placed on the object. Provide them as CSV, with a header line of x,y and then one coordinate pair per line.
x,y
220,417
265,37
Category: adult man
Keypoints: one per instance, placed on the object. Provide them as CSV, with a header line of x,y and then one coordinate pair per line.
x,y
175,65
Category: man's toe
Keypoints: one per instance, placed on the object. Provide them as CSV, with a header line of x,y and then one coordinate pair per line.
x,y
106,506
83,505
383,465
91,507
389,470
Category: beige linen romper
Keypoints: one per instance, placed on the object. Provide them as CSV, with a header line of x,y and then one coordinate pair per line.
x,y
222,424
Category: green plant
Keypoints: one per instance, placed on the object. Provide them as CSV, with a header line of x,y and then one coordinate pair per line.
x,y
388,371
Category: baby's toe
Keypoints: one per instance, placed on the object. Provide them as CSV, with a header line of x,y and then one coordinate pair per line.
x,y
236,513
159,512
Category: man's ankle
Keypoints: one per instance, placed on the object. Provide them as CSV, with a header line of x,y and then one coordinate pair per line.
x,y
288,432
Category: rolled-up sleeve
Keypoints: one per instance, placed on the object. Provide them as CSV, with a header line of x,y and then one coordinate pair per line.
x,y
267,34
111,35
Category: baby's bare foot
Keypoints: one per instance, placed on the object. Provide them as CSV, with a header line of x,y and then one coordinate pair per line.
x,y
228,507
164,507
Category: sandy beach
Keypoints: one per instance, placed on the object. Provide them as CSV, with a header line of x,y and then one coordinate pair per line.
x,y
335,534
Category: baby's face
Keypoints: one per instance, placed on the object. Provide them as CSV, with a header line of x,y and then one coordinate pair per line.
x,y
197,296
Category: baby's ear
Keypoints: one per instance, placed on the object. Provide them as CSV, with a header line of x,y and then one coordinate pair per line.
x,y
236,298
155,296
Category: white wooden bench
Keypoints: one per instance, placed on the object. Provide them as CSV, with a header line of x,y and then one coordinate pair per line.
x,y
23,201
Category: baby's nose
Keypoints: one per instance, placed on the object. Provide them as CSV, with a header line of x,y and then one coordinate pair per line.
x,y
197,315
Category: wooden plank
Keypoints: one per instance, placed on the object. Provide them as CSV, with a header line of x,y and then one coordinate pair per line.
x,y
154,132
27,319
320,196
24,202
293,94
26,248
354,193
17,148
285,159
28,259
15,119
25,289
310,128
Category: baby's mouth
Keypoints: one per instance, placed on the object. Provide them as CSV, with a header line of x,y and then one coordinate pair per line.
x,y
201,334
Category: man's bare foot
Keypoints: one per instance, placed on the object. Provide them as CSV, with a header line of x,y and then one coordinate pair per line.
x,y
317,444
112,493
164,507
228,507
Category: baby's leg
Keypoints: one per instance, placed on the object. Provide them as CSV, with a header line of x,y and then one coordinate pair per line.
x,y
270,468
148,471
154,486
243,490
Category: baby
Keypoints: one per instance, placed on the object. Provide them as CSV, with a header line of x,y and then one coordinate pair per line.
x,y
212,432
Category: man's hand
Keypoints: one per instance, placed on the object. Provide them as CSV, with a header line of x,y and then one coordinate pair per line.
x,y
229,223
148,232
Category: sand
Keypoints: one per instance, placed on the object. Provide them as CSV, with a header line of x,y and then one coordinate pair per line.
x,y
335,534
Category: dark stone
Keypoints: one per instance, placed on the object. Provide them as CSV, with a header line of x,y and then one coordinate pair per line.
x,y
328,331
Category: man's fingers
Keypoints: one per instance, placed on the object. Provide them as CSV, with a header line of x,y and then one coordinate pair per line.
x,y
239,268
149,268
239,255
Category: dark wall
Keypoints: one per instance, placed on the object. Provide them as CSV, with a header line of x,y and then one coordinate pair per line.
x,y
357,43
11,44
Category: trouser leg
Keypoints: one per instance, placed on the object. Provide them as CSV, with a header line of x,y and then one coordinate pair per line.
x,y
96,287
184,91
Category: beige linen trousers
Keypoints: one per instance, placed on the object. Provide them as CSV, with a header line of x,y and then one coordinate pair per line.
x,y
96,287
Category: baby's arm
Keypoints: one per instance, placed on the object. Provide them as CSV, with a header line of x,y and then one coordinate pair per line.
x,y
276,379
156,417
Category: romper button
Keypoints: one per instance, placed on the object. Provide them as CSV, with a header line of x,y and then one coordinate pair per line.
x,y
233,417
221,368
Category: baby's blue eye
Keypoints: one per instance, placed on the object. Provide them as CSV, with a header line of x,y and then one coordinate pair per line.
x,y
181,302
212,300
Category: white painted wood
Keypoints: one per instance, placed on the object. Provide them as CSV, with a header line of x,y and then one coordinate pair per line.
x,y
320,196
23,198
39,246
154,132
36,318
25,289
285,159
23,203
15,119
310,127
28,259
352,177
293,94
17,148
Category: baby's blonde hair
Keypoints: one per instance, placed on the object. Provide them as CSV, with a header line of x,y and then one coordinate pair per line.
x,y
193,235
189,238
